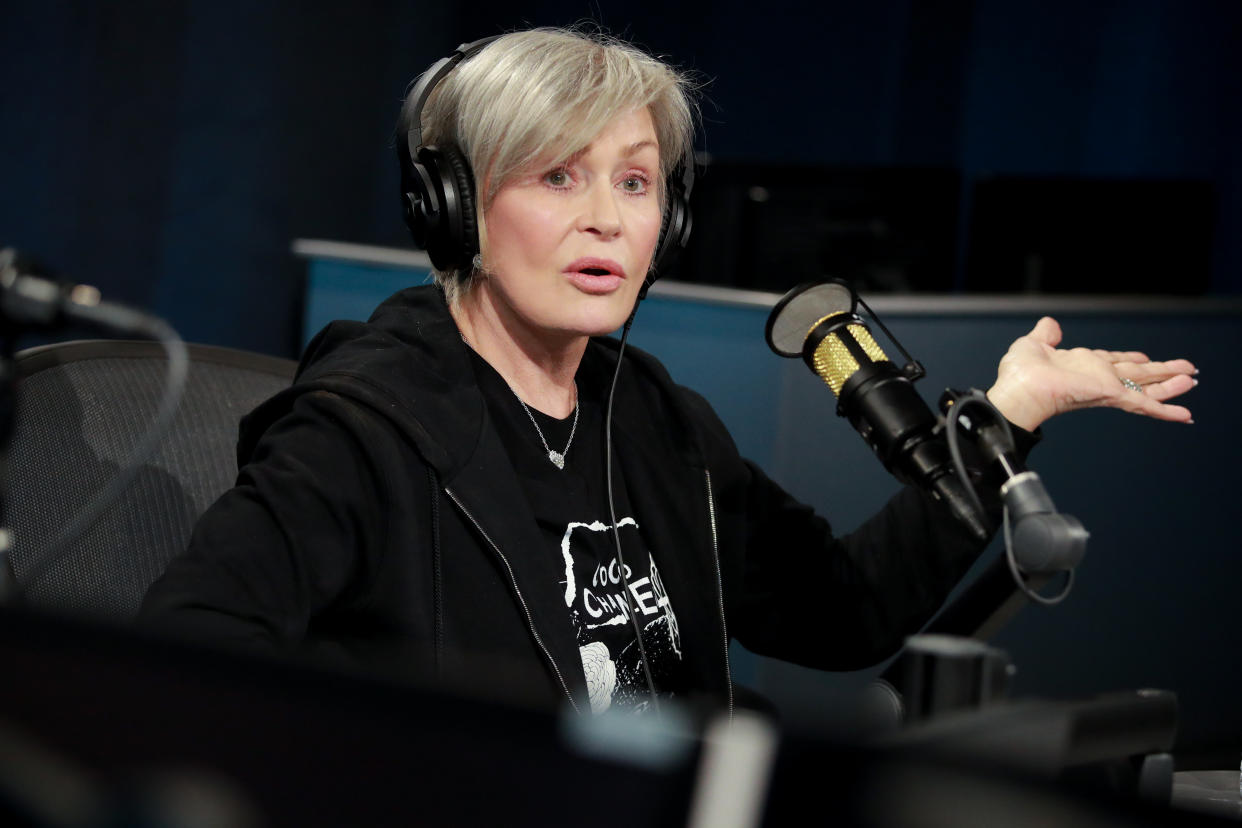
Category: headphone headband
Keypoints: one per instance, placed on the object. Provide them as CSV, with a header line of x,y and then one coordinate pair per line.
x,y
429,80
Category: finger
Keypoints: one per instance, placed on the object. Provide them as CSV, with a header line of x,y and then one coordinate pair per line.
x,y
1146,372
1124,356
1161,411
1169,388
1047,331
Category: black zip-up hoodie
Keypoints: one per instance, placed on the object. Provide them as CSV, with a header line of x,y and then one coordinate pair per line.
x,y
377,522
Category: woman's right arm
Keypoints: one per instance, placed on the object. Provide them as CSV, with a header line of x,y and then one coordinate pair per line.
x,y
301,524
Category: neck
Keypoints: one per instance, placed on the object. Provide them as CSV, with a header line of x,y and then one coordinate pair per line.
x,y
539,365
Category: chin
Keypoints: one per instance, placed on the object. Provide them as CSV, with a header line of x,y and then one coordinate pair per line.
x,y
607,320
592,315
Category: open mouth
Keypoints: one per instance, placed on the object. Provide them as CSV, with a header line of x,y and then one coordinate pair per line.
x,y
596,275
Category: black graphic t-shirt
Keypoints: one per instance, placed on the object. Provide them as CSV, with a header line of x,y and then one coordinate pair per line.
x,y
571,508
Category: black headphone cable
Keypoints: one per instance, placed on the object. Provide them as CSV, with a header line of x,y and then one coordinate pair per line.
x,y
612,512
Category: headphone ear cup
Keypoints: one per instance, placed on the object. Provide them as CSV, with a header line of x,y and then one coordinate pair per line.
x,y
467,240
450,235
674,234
419,202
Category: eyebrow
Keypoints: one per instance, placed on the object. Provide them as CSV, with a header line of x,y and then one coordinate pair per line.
x,y
630,151
639,146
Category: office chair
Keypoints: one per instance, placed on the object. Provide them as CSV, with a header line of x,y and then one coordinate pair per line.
x,y
81,407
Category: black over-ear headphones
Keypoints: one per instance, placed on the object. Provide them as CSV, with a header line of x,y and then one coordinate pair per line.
x,y
438,195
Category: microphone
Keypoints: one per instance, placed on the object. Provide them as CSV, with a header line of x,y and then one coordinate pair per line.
x,y
818,323
31,302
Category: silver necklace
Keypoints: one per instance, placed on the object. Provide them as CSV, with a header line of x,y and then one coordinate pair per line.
x,y
557,457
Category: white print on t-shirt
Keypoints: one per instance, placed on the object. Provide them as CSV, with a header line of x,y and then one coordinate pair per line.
x,y
567,556
601,675
603,600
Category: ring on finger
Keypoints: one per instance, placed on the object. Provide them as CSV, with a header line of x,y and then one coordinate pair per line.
x,y
1131,385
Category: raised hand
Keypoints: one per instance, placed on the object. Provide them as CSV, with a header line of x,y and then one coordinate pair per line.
x,y
1036,380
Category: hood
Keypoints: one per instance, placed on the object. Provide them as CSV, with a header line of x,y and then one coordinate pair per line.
x,y
408,363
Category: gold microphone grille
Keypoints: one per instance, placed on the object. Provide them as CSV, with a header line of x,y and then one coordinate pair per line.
x,y
833,361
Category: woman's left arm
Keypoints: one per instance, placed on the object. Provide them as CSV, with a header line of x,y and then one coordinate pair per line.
x,y
1037,380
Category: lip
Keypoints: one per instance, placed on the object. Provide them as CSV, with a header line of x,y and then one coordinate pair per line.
x,y
593,263
595,283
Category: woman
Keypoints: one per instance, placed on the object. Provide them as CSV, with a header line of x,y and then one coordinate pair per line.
x,y
432,495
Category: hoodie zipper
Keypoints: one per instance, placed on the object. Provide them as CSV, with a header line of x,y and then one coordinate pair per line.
x,y
530,621
711,513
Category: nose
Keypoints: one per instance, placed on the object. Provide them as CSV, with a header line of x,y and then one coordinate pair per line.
x,y
600,213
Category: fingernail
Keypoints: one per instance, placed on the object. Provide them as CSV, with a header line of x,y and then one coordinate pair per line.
x,y
1195,382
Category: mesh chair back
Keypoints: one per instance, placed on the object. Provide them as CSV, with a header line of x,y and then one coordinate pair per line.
x,y
81,408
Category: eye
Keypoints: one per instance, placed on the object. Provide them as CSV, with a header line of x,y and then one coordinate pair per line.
x,y
557,178
636,184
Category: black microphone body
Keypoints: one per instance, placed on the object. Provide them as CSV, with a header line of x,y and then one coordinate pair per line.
x,y
817,322
882,404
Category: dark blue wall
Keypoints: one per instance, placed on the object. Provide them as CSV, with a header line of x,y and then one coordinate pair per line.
x,y
169,151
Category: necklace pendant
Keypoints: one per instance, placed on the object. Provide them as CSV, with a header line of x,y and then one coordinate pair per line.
x,y
556,458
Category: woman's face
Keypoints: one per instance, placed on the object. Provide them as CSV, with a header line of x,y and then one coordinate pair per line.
x,y
568,246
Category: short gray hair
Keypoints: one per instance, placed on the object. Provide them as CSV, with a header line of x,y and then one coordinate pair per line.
x,y
543,95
